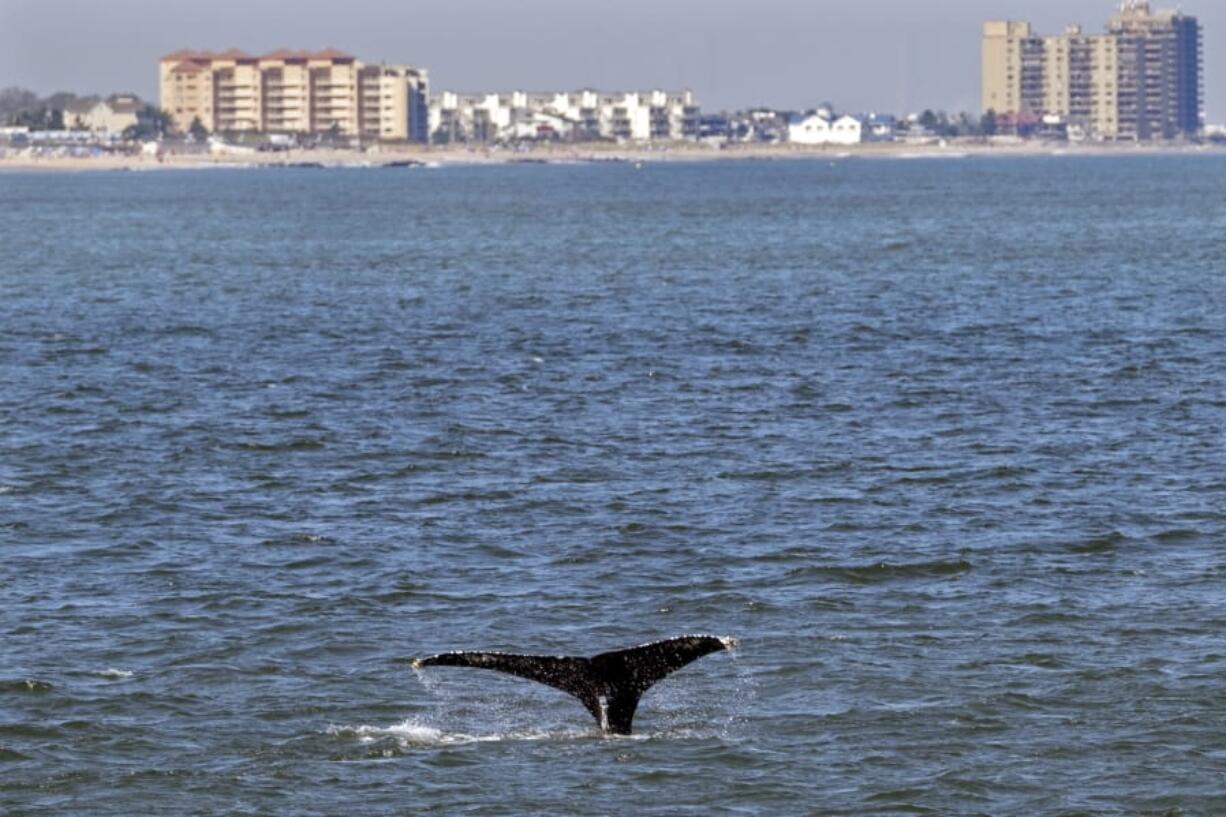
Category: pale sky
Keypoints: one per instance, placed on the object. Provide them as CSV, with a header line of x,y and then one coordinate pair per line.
x,y
862,55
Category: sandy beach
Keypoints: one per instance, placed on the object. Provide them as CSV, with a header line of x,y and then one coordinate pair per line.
x,y
408,156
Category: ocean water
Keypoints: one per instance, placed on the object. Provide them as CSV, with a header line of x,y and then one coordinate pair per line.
x,y
940,441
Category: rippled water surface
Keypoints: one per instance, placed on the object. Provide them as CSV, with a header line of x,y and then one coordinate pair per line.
x,y
940,441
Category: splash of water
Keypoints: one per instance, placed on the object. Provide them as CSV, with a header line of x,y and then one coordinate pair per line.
x,y
428,681
411,733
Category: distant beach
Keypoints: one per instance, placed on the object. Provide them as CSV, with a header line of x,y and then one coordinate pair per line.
x,y
558,153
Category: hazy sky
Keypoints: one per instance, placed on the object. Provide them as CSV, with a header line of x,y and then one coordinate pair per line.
x,y
862,55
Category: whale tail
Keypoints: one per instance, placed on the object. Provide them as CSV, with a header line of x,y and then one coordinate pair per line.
x,y
609,685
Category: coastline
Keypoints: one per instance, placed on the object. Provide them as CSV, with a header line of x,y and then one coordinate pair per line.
x,y
439,156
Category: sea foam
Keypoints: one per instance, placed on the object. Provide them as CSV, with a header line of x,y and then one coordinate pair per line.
x,y
412,733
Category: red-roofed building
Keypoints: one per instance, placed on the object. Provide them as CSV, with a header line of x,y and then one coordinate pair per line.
x,y
187,54
333,55
285,55
286,91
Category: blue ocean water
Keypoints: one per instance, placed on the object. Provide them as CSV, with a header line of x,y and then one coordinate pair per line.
x,y
941,441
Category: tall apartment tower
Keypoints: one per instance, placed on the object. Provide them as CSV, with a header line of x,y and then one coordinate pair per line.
x,y
294,92
1004,42
1140,80
1160,94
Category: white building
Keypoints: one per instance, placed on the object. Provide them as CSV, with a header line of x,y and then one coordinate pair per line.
x,y
639,116
114,115
809,129
822,128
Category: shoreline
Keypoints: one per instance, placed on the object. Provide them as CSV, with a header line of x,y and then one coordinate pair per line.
x,y
437,156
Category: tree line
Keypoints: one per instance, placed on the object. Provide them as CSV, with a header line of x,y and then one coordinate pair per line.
x,y
22,108
941,123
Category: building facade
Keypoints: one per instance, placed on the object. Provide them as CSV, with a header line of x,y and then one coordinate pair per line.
x,y
1160,94
579,116
1139,80
823,128
294,92
113,115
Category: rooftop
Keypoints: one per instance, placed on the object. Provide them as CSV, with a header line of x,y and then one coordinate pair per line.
x,y
80,106
189,55
188,68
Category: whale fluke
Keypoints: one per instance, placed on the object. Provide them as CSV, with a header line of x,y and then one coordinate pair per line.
x,y
609,685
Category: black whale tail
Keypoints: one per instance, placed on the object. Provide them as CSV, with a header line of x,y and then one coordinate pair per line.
x,y
609,685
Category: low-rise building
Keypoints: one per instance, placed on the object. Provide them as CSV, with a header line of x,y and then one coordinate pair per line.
x,y
759,125
112,115
824,128
883,127
585,115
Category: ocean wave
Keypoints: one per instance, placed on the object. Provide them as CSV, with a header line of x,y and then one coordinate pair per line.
x,y
297,444
410,734
884,571
26,686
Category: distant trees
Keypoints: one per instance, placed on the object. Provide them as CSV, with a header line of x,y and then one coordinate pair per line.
x,y
40,118
61,99
17,101
23,108
198,131
332,137
945,125
151,123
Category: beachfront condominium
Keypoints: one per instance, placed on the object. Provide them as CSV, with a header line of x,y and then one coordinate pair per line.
x,y
294,92
586,115
1139,80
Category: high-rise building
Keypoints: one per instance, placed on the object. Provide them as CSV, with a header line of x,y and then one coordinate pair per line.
x,y
1001,63
294,92
1140,80
1160,93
